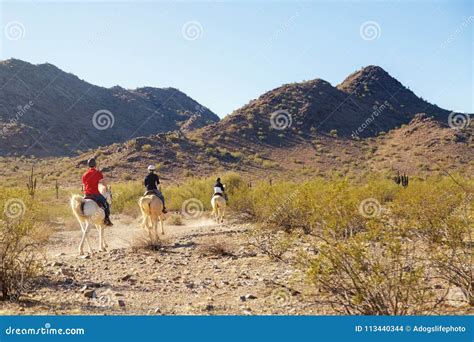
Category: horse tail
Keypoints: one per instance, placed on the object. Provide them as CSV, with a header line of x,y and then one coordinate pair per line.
x,y
77,206
144,204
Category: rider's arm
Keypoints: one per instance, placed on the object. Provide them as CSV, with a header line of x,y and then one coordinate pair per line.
x,y
158,183
102,180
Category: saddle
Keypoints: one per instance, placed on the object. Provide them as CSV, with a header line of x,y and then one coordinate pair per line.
x,y
150,192
92,198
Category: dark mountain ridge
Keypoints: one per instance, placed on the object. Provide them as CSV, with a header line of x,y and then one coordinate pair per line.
x,y
45,111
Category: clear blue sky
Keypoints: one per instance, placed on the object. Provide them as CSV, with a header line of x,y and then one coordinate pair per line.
x,y
246,48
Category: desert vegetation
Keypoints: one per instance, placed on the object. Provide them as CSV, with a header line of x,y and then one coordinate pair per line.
x,y
372,248
365,245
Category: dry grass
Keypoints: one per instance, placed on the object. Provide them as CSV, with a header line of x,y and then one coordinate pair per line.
x,y
144,242
175,219
215,247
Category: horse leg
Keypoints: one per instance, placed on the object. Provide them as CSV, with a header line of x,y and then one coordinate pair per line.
x,y
162,226
149,228
87,240
101,237
84,237
222,215
155,227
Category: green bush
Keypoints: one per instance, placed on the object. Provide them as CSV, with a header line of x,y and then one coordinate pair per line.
x,y
22,235
372,237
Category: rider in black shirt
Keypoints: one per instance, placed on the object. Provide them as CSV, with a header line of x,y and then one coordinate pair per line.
x,y
151,183
219,189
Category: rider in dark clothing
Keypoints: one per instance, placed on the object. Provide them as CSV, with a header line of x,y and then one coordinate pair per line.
x,y
219,184
151,183
219,189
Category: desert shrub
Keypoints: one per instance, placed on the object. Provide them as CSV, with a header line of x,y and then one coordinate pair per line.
x,y
452,259
147,242
215,247
379,246
146,148
268,164
125,198
175,220
21,239
429,209
373,275
236,154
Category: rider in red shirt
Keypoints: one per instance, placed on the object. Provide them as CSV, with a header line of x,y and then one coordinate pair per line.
x,y
90,186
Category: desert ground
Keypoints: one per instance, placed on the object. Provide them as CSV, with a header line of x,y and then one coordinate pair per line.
x,y
198,268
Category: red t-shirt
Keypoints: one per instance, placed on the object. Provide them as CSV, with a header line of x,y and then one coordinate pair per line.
x,y
91,179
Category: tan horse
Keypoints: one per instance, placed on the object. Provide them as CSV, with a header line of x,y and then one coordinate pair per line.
x,y
88,212
152,212
218,204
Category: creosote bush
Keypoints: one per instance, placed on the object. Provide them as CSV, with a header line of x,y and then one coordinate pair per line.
x,y
376,248
21,240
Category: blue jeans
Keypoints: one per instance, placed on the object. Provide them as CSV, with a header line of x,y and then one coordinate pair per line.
x,y
99,198
158,194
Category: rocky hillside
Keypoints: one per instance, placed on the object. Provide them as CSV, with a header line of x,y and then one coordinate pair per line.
x,y
297,130
367,103
45,111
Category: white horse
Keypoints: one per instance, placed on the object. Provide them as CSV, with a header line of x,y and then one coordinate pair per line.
x,y
88,213
218,204
152,213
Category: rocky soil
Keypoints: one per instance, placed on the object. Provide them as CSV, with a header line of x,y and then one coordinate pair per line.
x,y
200,268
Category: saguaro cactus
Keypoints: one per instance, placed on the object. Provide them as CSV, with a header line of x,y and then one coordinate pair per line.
x,y
31,185
401,179
56,186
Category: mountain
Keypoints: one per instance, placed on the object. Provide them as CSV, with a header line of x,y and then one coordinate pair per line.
x,y
45,111
368,123
367,103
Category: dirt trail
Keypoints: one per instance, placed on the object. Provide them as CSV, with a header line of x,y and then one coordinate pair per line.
x,y
200,268
65,240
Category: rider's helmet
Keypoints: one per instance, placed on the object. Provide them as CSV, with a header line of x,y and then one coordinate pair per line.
x,y
91,162
218,180
151,168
